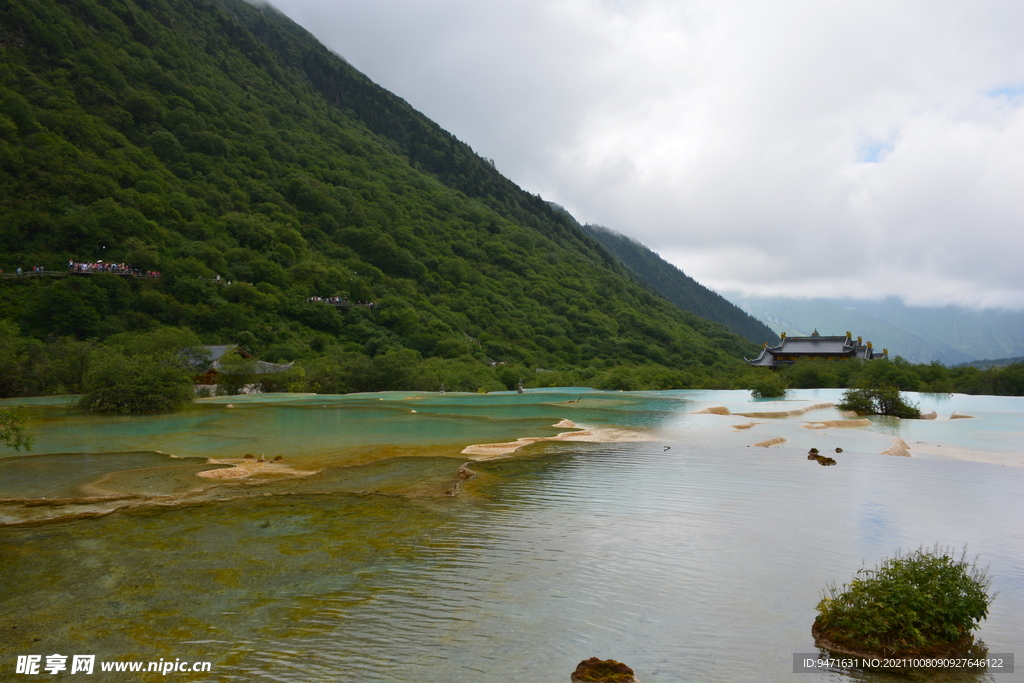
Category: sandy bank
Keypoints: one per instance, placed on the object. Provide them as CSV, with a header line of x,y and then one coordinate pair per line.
x,y
770,442
899,447
722,410
713,410
837,424
243,467
488,451
788,413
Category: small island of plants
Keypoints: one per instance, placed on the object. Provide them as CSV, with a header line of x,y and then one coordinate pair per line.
x,y
879,401
922,603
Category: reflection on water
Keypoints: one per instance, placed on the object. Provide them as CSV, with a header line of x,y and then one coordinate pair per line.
x,y
694,563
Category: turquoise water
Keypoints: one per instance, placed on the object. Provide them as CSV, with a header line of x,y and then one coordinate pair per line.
x,y
692,557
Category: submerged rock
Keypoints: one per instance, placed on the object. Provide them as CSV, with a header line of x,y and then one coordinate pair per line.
x,y
596,670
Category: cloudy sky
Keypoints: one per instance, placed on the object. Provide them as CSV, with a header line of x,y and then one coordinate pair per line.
x,y
802,147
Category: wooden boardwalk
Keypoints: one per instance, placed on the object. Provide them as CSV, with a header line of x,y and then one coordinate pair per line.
x,y
66,273
344,304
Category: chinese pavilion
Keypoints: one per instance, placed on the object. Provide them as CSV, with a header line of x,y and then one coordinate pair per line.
x,y
792,349
220,358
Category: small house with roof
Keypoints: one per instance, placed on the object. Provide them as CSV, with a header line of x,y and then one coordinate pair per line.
x,y
225,360
792,349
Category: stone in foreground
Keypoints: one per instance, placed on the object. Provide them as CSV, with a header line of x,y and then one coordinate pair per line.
x,y
596,670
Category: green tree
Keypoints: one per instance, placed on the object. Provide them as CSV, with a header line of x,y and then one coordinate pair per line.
x,y
898,373
769,386
13,361
880,401
136,384
812,374
1009,381
12,428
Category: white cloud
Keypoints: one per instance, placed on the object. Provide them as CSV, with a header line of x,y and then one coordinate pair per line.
x,y
857,149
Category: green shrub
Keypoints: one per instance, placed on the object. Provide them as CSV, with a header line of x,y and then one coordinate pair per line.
x,y
12,428
772,386
884,401
136,385
924,602
859,401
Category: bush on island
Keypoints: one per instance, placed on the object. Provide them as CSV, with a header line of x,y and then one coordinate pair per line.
x,y
925,602
772,386
136,385
881,401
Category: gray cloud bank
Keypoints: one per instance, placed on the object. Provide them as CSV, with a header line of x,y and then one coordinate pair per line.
x,y
798,148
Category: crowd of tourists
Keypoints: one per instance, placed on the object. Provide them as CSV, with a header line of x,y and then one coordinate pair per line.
x,y
84,268
114,268
339,301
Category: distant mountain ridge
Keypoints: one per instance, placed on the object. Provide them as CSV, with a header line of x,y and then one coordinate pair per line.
x,y
987,363
950,334
678,287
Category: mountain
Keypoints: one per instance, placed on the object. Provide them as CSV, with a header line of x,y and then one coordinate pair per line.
x,y
949,334
987,363
679,288
220,144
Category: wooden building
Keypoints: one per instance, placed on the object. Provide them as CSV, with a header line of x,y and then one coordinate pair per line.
x,y
227,360
792,349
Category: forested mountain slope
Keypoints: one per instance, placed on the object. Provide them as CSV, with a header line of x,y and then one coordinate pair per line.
x,y
680,288
204,139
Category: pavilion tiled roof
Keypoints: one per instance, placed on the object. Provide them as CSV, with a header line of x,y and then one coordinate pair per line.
x,y
257,367
791,349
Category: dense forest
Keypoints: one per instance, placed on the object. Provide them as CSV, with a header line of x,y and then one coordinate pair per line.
x,y
221,146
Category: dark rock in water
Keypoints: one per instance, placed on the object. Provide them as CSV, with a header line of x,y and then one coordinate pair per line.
x,y
812,456
839,450
813,451
596,670
822,459
466,473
